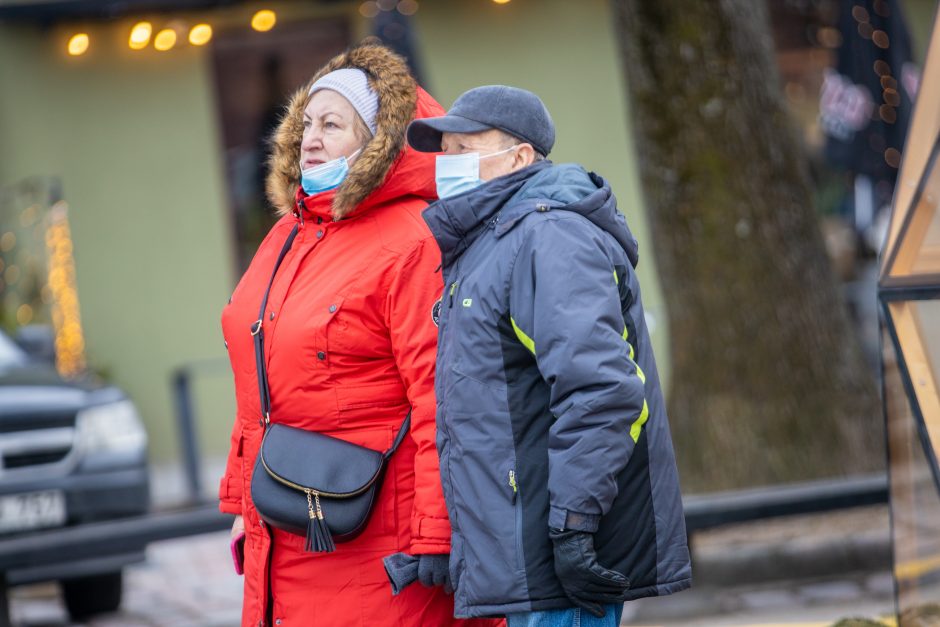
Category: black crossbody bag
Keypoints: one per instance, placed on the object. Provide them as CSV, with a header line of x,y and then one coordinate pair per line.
x,y
307,483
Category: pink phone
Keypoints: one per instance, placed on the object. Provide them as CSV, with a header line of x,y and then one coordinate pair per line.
x,y
238,553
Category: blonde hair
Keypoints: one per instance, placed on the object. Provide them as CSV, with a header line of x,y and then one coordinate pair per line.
x,y
363,134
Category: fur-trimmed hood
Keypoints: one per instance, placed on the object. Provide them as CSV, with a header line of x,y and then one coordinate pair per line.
x,y
400,101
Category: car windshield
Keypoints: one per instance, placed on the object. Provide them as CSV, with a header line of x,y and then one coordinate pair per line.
x,y
10,353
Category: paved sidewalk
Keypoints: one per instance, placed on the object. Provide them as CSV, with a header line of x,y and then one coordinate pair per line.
x,y
190,583
799,570
184,583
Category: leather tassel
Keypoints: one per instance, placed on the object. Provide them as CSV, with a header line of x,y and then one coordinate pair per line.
x,y
319,539
322,539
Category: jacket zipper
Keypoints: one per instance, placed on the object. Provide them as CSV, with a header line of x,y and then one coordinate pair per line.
x,y
517,511
268,618
453,288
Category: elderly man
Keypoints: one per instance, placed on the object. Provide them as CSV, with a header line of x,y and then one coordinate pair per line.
x,y
556,459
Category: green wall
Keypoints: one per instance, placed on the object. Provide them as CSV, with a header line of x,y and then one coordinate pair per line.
x,y
566,53
132,137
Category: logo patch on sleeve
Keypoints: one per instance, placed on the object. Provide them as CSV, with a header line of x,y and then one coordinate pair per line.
x,y
436,312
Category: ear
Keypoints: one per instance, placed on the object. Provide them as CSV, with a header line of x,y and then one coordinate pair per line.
x,y
523,156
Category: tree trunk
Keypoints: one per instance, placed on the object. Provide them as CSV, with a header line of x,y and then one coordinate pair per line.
x,y
768,381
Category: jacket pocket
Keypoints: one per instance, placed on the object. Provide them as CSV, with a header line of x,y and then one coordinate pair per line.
x,y
357,329
482,505
516,498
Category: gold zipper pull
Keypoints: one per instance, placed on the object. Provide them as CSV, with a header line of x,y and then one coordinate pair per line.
x,y
319,539
310,511
316,497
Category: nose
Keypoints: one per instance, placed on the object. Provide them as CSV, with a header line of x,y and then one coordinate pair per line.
x,y
312,139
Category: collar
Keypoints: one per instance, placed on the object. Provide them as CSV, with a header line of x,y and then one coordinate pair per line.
x,y
456,222
315,206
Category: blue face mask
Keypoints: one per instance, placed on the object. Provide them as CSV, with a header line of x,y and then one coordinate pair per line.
x,y
325,176
457,174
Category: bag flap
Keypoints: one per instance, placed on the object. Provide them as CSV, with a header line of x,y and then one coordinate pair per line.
x,y
314,461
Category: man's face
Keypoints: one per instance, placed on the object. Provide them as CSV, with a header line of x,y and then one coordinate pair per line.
x,y
485,142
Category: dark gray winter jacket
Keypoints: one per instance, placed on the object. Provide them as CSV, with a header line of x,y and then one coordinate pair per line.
x,y
550,412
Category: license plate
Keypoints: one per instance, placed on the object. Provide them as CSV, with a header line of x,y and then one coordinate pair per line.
x,y
32,510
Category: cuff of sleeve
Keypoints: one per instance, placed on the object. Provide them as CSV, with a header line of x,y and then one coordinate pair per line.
x,y
430,535
559,518
230,507
433,529
425,547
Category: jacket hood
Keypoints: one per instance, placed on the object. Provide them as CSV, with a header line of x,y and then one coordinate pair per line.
x,y
370,181
570,187
505,201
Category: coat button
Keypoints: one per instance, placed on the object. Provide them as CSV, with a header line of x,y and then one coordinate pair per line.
x,y
319,234
321,355
226,344
319,220
277,622
272,315
332,308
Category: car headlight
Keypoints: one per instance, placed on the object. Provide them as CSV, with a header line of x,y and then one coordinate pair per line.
x,y
111,427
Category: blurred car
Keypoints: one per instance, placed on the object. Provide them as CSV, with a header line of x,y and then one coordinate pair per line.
x,y
71,453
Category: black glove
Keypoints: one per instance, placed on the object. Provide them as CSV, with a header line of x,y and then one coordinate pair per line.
x,y
587,583
434,570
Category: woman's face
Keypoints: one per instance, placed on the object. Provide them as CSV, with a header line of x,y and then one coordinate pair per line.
x,y
329,129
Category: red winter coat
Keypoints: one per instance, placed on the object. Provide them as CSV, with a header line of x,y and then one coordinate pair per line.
x,y
350,342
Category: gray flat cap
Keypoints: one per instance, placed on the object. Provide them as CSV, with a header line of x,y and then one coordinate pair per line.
x,y
515,111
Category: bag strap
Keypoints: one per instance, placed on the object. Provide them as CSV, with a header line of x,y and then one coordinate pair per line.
x,y
257,333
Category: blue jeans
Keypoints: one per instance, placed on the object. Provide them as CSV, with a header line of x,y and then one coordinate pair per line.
x,y
571,617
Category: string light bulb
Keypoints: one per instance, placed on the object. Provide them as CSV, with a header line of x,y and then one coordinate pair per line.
x,y
165,39
140,36
78,44
200,34
264,20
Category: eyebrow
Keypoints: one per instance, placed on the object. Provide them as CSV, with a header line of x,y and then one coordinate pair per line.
x,y
458,144
307,116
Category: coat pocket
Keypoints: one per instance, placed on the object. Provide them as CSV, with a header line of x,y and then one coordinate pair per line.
x,y
516,499
488,514
375,403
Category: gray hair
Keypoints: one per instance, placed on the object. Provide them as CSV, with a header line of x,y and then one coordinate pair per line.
x,y
510,140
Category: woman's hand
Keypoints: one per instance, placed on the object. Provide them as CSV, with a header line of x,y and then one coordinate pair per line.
x,y
238,527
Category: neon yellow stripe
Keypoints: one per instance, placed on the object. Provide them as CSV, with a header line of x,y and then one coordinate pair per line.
x,y
525,339
638,424
626,335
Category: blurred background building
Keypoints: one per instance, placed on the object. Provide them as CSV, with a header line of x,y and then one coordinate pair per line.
x,y
147,121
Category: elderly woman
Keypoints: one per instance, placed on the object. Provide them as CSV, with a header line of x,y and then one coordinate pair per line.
x,y
349,346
